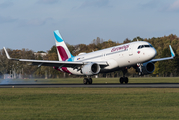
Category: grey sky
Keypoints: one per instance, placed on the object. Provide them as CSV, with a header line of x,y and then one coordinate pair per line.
x,y
30,24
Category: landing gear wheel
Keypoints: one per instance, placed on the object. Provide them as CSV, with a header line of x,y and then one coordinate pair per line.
x,y
85,81
121,80
90,80
126,80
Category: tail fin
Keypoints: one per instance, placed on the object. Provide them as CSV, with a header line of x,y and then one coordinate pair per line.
x,y
62,50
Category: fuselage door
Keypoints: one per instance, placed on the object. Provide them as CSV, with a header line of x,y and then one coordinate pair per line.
x,y
131,49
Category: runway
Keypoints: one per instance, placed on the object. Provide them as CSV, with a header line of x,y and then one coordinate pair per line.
x,y
117,85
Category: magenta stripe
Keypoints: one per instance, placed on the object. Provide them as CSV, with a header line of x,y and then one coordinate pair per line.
x,y
62,53
57,69
66,70
64,57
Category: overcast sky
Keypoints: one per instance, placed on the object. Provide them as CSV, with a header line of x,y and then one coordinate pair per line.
x,y
30,23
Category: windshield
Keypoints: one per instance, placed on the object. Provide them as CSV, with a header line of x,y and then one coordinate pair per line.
x,y
144,46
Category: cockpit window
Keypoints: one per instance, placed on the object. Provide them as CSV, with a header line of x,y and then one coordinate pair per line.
x,y
147,45
142,46
151,46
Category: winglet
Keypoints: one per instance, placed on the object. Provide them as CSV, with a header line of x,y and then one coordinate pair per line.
x,y
171,50
8,55
57,35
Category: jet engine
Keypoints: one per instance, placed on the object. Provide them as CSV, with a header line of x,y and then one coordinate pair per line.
x,y
145,68
90,69
148,68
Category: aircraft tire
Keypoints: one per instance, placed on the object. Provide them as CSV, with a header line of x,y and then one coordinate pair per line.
x,y
90,80
85,81
121,80
126,80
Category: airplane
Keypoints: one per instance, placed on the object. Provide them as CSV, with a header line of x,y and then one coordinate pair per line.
x,y
138,54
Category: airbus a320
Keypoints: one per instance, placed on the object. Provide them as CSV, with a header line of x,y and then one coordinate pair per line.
x,y
137,54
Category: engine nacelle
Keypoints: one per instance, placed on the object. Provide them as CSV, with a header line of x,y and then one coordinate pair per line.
x,y
148,68
90,69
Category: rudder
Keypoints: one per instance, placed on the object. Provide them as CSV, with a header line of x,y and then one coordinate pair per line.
x,y
62,50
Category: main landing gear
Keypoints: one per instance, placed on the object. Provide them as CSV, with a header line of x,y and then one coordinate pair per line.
x,y
124,79
87,81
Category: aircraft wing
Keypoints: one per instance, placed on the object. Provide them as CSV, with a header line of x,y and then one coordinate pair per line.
x,y
53,63
167,58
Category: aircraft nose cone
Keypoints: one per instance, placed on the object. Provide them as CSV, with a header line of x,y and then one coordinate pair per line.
x,y
153,52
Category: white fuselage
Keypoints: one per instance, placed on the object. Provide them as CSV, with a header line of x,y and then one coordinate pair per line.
x,y
118,56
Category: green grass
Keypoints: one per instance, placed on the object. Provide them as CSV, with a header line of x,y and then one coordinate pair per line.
x,y
89,103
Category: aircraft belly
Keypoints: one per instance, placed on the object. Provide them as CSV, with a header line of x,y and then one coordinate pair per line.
x,y
122,61
126,61
104,70
112,66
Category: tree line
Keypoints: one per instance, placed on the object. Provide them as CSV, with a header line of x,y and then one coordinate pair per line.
x,y
161,44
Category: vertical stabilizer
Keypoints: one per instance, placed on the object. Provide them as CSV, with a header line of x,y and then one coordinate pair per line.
x,y
62,50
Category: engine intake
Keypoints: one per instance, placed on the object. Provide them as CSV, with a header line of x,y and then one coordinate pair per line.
x,y
90,69
148,68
